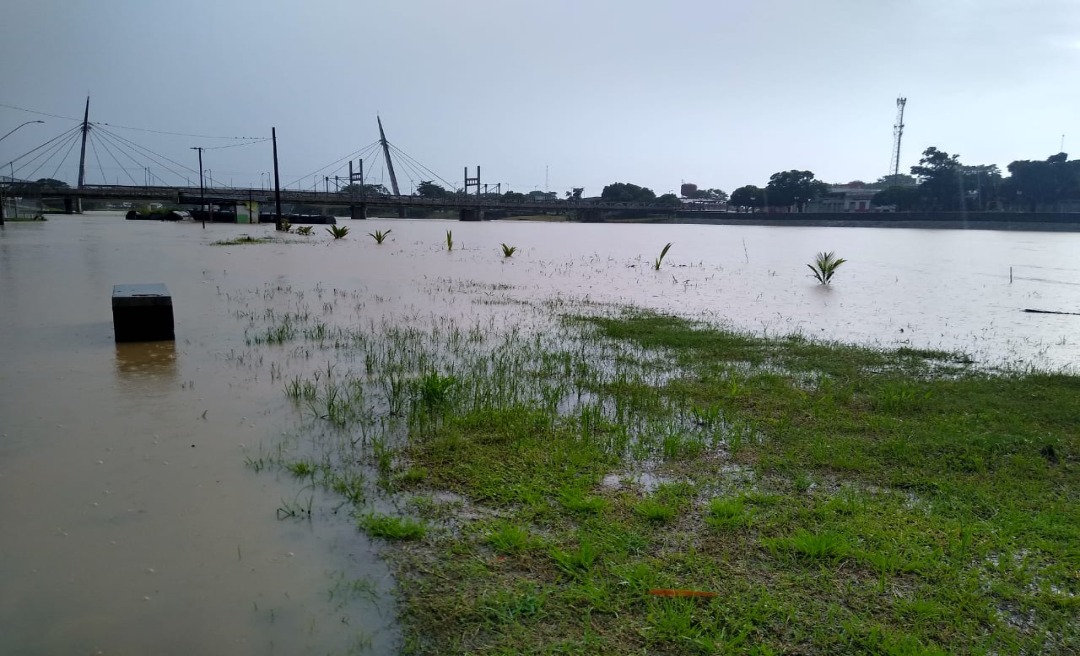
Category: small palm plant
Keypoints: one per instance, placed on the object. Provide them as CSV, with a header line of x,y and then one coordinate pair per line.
x,y
449,240
379,236
508,250
656,263
825,265
338,231
304,230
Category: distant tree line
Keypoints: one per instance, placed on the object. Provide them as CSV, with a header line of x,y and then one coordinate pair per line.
x,y
792,188
942,183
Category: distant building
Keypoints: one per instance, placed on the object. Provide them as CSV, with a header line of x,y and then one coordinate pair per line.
x,y
844,198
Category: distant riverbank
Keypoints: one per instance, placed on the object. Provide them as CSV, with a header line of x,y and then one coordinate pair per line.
x,y
1042,222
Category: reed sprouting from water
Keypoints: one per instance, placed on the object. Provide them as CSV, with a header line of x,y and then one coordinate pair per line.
x,y
659,260
508,250
449,240
825,265
379,236
338,232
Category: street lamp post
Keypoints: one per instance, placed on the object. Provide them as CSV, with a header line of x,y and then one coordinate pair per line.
x,y
12,181
17,127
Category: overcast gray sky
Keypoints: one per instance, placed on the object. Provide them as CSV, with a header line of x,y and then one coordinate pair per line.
x,y
719,93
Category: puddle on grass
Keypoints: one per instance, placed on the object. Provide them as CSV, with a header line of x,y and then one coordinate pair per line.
x,y
133,524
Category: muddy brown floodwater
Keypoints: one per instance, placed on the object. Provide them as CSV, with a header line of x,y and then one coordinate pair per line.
x,y
132,524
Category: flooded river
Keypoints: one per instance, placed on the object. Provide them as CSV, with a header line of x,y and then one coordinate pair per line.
x,y
135,520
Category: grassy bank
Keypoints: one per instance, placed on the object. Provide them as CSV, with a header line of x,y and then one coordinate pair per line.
x,y
634,483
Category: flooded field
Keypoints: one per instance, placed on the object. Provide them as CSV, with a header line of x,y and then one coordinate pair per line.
x,y
142,517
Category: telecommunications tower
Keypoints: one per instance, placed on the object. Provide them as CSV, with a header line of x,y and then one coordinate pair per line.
x,y
898,135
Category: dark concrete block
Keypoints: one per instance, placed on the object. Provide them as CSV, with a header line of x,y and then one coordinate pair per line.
x,y
142,313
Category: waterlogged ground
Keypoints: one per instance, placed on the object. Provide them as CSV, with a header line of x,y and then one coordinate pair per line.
x,y
203,497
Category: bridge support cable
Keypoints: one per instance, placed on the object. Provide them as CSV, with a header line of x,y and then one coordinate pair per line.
x,y
47,155
136,158
101,169
118,164
340,162
56,171
48,146
403,156
150,155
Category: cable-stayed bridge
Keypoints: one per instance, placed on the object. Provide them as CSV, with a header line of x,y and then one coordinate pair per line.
x,y
101,142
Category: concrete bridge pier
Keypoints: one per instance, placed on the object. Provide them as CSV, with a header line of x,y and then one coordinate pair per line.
x,y
591,216
72,206
401,213
358,211
471,214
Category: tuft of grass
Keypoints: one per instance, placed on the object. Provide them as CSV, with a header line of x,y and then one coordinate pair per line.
x,y
379,236
508,250
509,538
576,501
576,561
338,232
659,260
827,546
304,230
243,240
727,513
655,511
391,527
301,469
825,265
449,240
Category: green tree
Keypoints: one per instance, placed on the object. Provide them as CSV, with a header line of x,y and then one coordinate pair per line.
x,y
940,178
428,189
1050,181
903,198
668,200
368,190
51,183
794,188
624,192
717,195
898,180
575,194
748,196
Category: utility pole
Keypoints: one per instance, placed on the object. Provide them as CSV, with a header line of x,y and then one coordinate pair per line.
x,y
202,187
82,154
277,183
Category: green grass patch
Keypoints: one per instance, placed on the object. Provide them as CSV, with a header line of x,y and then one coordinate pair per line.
x,y
392,528
836,499
244,240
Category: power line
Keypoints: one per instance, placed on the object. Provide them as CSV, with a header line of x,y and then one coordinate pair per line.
x,y
31,111
174,134
248,143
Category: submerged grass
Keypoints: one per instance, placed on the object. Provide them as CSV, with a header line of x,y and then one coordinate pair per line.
x,y
244,240
837,499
